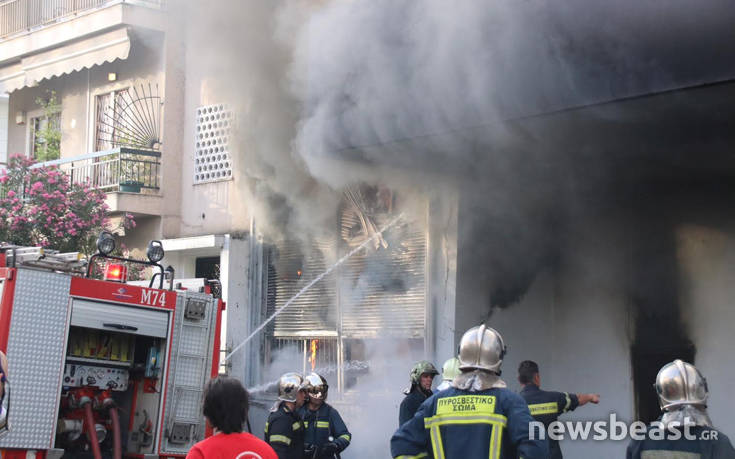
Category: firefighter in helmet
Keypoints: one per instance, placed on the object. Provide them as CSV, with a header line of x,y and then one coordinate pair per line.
x,y
422,376
682,393
478,417
450,370
326,432
284,430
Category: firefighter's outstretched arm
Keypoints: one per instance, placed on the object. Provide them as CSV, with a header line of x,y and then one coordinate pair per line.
x,y
588,398
280,435
568,401
411,440
342,436
519,421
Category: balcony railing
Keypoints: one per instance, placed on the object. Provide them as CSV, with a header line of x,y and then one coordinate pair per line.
x,y
24,15
119,169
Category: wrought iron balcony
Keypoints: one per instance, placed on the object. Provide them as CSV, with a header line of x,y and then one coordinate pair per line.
x,y
24,15
120,169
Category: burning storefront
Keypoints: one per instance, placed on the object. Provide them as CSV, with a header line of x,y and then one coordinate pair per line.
x,y
364,323
377,293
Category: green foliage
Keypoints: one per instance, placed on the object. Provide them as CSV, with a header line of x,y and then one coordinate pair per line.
x,y
48,138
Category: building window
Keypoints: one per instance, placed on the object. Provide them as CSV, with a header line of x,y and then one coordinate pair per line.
x,y
207,268
212,160
45,137
110,126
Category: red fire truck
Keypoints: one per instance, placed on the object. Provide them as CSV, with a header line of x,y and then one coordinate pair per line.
x,y
102,368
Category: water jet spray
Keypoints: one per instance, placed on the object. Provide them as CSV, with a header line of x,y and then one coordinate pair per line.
x,y
313,282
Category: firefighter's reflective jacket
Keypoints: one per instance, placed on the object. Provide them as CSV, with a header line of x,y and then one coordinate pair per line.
x,y
457,423
324,423
545,407
284,431
704,443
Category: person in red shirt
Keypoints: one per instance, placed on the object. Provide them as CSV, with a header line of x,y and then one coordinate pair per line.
x,y
226,409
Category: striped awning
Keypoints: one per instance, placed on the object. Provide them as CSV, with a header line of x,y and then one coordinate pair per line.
x,y
71,57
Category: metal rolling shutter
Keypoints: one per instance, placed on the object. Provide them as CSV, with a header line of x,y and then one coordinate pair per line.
x,y
314,312
376,293
384,291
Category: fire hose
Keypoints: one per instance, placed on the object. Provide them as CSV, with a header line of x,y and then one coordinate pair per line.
x,y
116,439
91,432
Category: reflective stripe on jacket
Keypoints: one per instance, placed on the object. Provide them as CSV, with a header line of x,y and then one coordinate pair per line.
x,y
545,407
284,431
324,423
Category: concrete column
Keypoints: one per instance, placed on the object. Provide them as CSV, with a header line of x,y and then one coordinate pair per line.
x,y
442,275
173,128
234,275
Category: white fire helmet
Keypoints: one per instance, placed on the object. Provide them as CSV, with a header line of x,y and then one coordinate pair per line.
x,y
289,386
679,383
450,369
481,348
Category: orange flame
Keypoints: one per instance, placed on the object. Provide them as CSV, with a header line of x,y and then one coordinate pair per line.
x,y
312,359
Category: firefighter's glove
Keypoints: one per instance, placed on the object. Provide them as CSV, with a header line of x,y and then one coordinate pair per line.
x,y
328,449
310,451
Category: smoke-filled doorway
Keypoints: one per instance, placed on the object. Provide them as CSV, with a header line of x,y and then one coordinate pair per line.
x,y
646,363
656,293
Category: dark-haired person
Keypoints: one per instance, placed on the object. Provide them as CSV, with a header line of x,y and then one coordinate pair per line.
x,y
546,406
226,409
422,376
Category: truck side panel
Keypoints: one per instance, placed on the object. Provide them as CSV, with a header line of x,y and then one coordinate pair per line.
x,y
40,315
7,290
190,368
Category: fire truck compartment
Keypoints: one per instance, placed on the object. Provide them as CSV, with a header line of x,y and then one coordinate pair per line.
x,y
120,367
125,319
